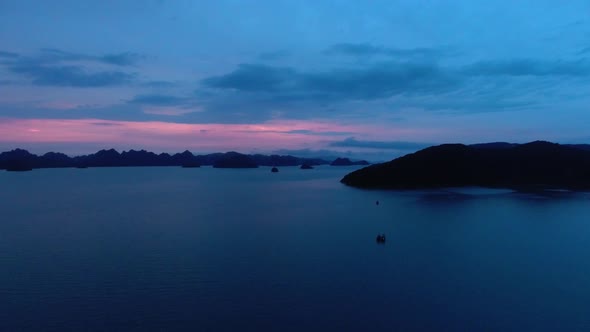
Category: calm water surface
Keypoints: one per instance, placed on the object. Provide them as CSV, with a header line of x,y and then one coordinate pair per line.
x,y
172,249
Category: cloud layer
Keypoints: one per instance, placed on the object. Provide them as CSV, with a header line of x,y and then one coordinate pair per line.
x,y
385,75
530,67
357,83
53,67
367,50
351,142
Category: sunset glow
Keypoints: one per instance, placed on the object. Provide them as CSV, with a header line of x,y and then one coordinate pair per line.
x,y
178,76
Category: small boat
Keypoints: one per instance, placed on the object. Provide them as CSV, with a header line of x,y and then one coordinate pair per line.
x,y
274,170
380,238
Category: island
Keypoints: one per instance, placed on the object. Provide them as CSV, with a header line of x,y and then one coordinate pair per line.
x,y
347,162
17,166
530,166
306,166
17,160
235,160
22,160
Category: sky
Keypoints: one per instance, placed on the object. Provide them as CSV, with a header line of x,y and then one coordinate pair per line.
x,y
367,79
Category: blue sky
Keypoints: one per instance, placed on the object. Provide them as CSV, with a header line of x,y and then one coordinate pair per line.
x,y
372,79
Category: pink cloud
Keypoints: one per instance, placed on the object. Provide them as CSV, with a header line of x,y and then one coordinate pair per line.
x,y
169,136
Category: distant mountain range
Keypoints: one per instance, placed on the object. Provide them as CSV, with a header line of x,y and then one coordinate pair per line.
x,y
348,162
535,165
22,160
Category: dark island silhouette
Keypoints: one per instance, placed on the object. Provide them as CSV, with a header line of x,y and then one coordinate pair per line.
x,y
22,160
306,166
348,162
530,166
235,160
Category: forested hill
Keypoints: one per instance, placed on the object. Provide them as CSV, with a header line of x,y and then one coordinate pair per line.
x,y
537,164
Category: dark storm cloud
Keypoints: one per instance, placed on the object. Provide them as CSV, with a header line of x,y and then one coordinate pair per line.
x,y
359,83
363,49
529,67
351,142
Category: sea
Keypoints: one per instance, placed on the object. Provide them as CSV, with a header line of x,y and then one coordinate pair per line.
x,y
204,249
